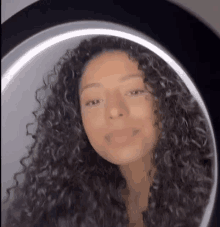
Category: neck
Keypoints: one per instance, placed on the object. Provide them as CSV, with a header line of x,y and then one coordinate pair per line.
x,y
138,186
136,175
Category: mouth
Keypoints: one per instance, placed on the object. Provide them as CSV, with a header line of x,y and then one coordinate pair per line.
x,y
121,136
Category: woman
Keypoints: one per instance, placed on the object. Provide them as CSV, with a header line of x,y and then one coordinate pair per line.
x,y
119,140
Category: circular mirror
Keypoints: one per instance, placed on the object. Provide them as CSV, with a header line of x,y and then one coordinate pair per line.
x,y
23,70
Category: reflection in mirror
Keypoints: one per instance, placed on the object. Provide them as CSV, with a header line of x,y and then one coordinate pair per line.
x,y
119,141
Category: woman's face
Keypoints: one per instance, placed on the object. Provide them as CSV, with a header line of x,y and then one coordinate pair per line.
x,y
117,110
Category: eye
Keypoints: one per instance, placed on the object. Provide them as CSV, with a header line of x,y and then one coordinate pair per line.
x,y
137,92
92,102
95,102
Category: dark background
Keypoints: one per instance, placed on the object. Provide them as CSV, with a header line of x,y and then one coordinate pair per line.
x,y
195,46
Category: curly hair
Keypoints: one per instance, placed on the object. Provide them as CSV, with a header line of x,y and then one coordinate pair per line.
x,y
68,184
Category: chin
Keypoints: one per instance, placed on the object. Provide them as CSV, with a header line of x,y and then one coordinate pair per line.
x,y
123,157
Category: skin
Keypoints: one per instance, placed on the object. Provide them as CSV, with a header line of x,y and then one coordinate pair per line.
x,y
118,105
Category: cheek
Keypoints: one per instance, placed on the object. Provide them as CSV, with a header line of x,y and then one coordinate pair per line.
x,y
143,113
93,119
140,112
92,123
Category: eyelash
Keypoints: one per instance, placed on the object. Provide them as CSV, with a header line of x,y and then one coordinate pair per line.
x,y
139,90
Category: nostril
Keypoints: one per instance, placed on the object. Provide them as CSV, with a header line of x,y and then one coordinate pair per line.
x,y
115,115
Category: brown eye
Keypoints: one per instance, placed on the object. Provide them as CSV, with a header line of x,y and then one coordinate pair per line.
x,y
137,92
95,102
92,102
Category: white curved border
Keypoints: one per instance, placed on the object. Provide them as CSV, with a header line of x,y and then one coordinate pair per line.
x,y
10,73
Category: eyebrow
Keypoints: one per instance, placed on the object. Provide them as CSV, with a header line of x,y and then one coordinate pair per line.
x,y
130,76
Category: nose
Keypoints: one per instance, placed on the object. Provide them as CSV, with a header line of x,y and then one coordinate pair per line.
x,y
115,113
117,107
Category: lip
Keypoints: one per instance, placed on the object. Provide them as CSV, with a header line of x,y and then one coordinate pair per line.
x,y
127,132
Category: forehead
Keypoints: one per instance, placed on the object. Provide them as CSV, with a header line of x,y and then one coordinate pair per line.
x,y
109,64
